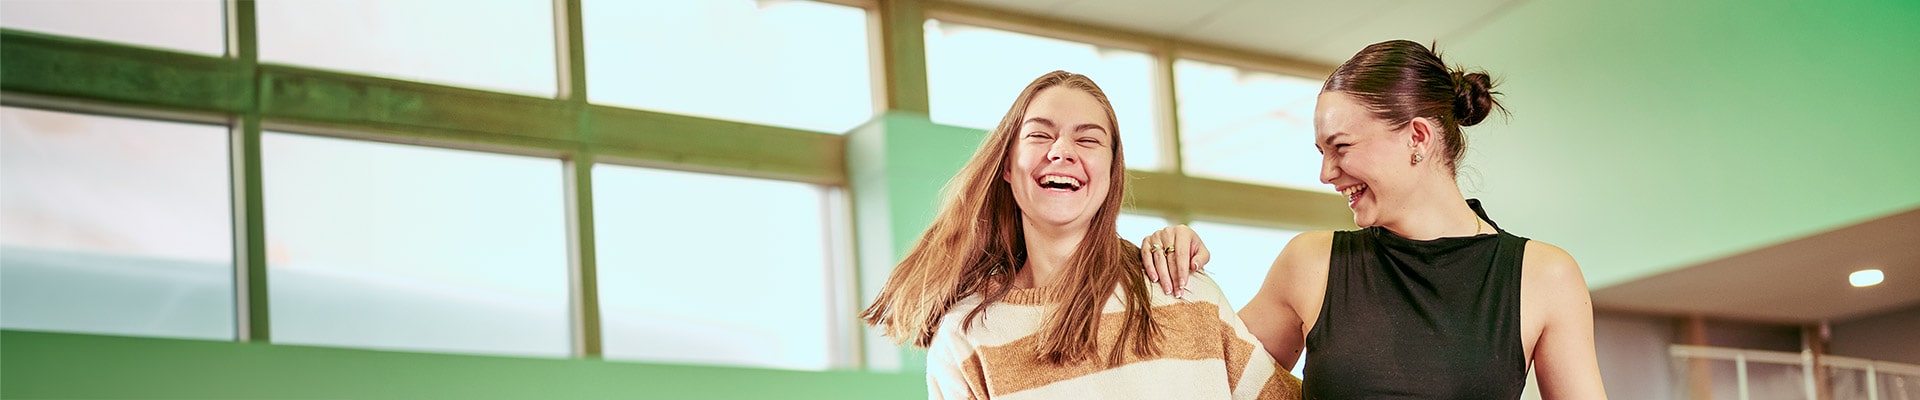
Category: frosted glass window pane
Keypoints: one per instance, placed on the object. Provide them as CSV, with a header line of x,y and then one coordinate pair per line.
x,y
1242,255
195,26
974,73
1245,125
115,226
791,63
1898,386
1768,381
711,269
1847,383
499,45
403,247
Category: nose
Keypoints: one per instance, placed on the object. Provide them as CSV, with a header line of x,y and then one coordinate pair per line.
x,y
1063,150
1328,169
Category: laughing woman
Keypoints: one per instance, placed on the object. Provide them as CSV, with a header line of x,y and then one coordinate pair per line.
x,y
1430,299
1022,288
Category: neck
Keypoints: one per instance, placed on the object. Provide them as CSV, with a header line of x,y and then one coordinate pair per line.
x,y
1048,249
1438,212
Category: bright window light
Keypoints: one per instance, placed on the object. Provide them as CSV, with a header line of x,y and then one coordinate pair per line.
x,y
1134,227
796,64
182,25
114,226
973,74
498,45
712,269
1242,255
1245,125
388,246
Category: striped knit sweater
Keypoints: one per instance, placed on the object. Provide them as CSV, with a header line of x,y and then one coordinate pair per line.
x,y
1205,353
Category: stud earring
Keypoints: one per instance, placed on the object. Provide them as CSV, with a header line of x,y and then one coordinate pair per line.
x,y
1417,159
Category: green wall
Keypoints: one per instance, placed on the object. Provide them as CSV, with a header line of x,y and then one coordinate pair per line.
x,y
897,165
1652,135
55,365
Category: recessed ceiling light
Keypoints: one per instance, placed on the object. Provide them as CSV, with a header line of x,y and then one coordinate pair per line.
x,y
1866,277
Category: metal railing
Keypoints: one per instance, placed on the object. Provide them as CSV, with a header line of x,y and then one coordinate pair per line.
x,y
1902,381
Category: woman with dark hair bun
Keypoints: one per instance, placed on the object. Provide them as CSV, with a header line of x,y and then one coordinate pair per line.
x,y
1429,299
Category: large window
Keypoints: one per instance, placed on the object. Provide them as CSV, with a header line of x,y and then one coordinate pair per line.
x,y
1247,125
499,45
713,269
125,226
792,63
192,26
974,73
402,247
114,226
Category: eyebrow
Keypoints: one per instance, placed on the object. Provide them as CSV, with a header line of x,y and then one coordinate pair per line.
x,y
1049,123
1329,140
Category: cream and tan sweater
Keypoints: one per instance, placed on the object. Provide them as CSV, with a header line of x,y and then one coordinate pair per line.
x,y
1205,353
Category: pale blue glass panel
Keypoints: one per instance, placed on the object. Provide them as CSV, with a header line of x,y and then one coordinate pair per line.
x,y
391,246
498,45
974,74
1241,256
1245,125
797,64
194,26
114,226
710,269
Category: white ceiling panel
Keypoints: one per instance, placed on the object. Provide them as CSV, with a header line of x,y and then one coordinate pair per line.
x,y
1420,21
1285,28
1168,18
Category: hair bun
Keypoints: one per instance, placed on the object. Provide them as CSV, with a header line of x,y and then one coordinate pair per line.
x,y
1472,97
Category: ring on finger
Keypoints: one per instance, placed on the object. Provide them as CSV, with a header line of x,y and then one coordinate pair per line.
x,y
1168,249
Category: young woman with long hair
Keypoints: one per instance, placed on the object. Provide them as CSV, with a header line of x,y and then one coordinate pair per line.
x,y
1022,287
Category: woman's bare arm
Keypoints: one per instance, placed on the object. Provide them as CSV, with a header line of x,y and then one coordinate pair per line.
x,y
1563,357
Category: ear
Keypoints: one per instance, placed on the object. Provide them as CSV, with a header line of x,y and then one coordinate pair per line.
x,y
1424,134
1006,168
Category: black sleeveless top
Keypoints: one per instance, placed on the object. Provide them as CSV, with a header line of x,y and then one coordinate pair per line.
x,y
1419,319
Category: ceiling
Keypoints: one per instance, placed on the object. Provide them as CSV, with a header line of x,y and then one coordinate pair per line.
x,y
1800,281
1325,32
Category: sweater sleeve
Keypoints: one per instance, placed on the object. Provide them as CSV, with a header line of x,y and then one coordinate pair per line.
x,y
1254,374
950,375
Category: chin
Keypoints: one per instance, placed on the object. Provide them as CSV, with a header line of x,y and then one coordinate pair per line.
x,y
1364,220
1054,220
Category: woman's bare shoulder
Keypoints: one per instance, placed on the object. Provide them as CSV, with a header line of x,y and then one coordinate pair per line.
x,y
1307,253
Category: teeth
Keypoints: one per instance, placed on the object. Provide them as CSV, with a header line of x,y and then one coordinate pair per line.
x,y
1060,180
1354,191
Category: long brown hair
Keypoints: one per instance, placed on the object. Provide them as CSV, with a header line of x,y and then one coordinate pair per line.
x,y
1399,80
975,243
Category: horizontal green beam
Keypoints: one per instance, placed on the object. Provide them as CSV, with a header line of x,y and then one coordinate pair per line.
x,y
306,95
74,73
657,139
48,65
1235,202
